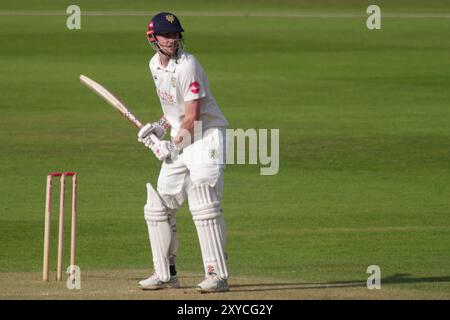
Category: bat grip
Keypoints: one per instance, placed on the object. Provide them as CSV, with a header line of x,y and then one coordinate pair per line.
x,y
154,138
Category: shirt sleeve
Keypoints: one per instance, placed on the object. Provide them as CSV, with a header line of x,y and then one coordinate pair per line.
x,y
192,81
152,68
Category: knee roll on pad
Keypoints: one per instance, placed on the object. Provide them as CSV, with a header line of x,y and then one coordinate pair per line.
x,y
203,201
155,209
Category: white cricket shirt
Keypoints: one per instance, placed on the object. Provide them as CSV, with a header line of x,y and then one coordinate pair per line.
x,y
184,80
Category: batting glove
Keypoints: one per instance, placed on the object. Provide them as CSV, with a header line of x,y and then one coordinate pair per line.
x,y
164,150
157,128
147,141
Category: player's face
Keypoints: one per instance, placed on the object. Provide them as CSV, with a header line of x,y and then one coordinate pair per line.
x,y
169,42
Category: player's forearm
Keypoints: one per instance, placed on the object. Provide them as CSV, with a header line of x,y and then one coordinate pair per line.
x,y
192,114
185,134
188,123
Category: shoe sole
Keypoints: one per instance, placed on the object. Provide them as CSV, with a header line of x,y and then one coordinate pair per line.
x,y
166,286
212,290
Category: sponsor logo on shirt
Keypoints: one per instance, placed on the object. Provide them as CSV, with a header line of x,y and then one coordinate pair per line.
x,y
165,97
194,87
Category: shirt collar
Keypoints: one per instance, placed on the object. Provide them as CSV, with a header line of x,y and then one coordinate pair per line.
x,y
171,66
172,63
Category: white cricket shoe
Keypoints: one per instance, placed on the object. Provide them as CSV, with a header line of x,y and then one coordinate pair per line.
x,y
154,283
213,283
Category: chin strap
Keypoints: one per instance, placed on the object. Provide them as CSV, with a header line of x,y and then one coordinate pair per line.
x,y
157,48
167,55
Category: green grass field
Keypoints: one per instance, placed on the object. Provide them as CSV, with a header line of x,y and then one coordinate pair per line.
x,y
364,120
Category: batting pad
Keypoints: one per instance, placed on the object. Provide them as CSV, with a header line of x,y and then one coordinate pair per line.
x,y
205,207
160,232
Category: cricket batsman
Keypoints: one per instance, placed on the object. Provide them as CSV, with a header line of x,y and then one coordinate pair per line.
x,y
192,161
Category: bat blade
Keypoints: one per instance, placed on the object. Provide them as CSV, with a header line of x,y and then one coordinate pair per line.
x,y
114,102
111,99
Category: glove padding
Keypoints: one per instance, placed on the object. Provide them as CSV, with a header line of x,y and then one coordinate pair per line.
x,y
164,150
148,141
151,128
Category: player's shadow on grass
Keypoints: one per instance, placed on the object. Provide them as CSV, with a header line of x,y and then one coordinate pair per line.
x,y
398,278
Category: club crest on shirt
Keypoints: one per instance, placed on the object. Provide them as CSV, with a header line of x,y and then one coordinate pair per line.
x,y
212,154
194,87
166,97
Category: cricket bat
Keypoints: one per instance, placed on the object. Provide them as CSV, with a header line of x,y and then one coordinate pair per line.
x,y
114,102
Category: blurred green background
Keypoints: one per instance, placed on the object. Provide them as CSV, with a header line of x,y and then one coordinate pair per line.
x,y
364,134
